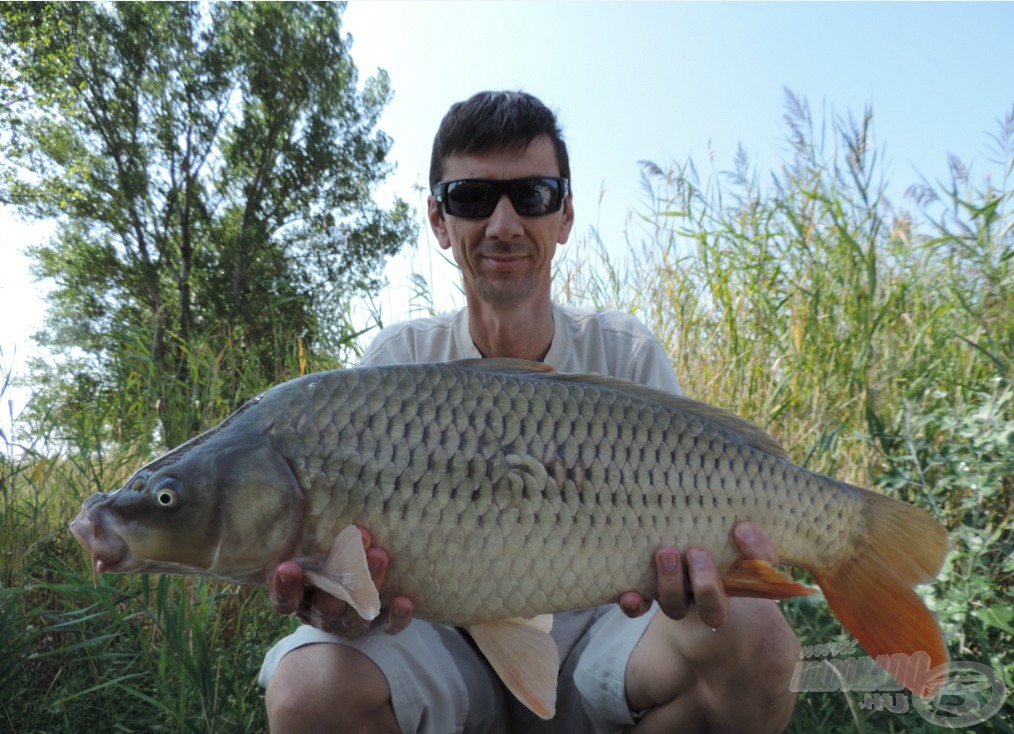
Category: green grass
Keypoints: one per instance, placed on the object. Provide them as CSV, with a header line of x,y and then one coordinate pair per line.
x,y
874,343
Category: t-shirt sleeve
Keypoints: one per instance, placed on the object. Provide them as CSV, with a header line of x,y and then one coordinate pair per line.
x,y
390,346
655,369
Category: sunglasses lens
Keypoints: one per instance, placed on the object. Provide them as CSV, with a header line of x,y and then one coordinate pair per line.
x,y
471,198
478,198
535,196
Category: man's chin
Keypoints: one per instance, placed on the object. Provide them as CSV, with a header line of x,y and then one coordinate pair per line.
x,y
505,292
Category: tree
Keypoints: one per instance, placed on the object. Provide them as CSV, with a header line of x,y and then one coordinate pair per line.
x,y
210,170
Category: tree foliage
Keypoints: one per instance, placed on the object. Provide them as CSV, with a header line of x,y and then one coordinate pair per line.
x,y
210,170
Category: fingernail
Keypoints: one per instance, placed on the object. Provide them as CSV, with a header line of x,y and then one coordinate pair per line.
x,y
669,563
395,619
746,533
284,578
697,558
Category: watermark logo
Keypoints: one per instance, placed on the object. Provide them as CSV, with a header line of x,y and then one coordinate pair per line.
x,y
966,693
971,693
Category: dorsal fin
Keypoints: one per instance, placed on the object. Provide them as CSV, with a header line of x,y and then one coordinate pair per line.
x,y
752,434
749,432
502,364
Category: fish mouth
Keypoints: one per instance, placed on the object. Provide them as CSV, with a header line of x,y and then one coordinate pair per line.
x,y
109,552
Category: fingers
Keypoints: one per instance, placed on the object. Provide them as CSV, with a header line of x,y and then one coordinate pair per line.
x,y
400,608
289,595
336,616
633,604
377,561
673,595
754,543
330,614
367,538
693,583
399,615
673,590
706,586
285,588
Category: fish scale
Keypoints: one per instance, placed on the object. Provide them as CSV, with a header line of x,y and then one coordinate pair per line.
x,y
517,434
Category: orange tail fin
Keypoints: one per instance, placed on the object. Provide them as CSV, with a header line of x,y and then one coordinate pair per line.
x,y
871,590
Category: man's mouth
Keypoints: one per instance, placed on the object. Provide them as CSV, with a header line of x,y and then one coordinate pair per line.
x,y
504,263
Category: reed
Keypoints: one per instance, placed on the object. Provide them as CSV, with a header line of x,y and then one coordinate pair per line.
x,y
874,342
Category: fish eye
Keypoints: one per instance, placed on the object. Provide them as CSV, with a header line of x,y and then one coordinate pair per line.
x,y
168,494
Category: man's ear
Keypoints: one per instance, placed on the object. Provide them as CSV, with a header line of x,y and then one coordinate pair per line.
x,y
438,224
568,221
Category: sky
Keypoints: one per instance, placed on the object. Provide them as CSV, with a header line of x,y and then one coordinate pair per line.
x,y
656,81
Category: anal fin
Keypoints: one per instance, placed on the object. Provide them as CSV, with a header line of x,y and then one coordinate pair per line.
x,y
345,574
761,580
525,657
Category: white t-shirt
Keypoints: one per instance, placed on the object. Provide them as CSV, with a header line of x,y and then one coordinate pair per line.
x,y
584,340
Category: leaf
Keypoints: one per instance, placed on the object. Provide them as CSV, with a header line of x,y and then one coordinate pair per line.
x,y
996,616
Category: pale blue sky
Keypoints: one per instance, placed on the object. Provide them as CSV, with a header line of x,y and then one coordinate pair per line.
x,y
657,81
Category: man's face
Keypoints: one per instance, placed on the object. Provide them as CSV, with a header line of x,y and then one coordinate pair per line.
x,y
504,258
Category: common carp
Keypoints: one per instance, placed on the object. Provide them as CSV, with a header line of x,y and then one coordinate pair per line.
x,y
503,492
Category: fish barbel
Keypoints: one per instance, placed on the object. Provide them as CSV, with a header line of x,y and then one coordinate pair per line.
x,y
504,491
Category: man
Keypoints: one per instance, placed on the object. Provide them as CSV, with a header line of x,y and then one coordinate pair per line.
x,y
501,204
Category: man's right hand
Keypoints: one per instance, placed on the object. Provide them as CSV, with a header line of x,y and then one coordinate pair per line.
x,y
290,595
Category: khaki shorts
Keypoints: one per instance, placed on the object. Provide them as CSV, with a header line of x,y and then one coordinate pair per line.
x,y
441,684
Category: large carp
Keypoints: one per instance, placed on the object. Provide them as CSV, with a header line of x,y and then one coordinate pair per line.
x,y
504,491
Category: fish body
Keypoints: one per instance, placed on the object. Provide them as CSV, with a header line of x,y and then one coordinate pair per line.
x,y
502,491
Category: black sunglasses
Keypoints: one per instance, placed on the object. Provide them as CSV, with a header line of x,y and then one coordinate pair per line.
x,y
476,198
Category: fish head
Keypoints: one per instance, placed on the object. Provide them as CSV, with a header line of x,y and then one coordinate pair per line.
x,y
158,518
229,507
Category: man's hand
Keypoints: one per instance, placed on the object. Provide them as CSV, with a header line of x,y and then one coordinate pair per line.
x,y
289,595
694,581
716,670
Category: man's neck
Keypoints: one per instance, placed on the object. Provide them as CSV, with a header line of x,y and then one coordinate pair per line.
x,y
520,331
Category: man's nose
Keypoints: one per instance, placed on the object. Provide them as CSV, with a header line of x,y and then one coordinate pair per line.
x,y
504,223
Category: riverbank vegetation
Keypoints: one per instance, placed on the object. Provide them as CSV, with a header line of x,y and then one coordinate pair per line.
x,y
874,339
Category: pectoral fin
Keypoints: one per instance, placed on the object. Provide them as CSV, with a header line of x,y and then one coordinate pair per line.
x,y
762,580
345,575
525,657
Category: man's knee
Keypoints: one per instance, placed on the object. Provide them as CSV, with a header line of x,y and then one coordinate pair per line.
x,y
325,687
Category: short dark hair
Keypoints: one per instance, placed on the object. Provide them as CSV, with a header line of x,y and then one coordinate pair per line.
x,y
495,121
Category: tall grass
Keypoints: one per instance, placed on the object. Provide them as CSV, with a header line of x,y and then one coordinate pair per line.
x,y
876,343
131,653
134,653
